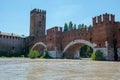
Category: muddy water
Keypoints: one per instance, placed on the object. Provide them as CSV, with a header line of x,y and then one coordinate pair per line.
x,y
26,69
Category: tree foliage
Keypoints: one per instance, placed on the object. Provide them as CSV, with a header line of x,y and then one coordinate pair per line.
x,y
33,54
98,55
70,25
80,26
65,27
45,56
86,51
74,27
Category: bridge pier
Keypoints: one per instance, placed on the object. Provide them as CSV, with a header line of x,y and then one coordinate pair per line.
x,y
77,54
72,53
108,54
118,50
108,51
55,54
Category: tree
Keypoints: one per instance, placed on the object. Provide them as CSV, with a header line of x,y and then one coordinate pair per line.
x,y
90,25
79,26
98,55
85,26
65,27
82,26
70,25
74,27
86,51
45,56
33,54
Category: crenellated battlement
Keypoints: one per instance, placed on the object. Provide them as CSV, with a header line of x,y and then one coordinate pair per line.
x,y
54,30
38,11
104,19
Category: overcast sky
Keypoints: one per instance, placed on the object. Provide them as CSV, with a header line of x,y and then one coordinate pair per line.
x,y
15,14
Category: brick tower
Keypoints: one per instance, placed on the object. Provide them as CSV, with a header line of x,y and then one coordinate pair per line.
x,y
104,34
103,29
37,22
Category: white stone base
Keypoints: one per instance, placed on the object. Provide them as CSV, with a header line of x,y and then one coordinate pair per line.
x,y
118,51
55,54
108,54
77,54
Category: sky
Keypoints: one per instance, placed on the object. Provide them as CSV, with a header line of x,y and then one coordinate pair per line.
x,y
15,14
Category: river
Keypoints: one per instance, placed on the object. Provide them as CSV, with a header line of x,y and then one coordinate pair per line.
x,y
61,69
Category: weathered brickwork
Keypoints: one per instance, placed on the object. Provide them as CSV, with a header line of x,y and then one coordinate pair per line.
x,y
103,32
12,44
37,22
104,35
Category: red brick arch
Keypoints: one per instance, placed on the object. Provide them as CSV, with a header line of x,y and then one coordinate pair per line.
x,y
39,43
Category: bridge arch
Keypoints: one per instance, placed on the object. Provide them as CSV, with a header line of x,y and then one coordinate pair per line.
x,y
39,43
79,41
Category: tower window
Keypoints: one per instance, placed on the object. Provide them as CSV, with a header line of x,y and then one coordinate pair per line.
x,y
40,23
99,45
90,39
43,17
50,39
119,29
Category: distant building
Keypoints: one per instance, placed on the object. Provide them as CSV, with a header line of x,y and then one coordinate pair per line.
x,y
11,44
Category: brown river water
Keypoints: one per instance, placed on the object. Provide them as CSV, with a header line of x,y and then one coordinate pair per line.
x,y
61,69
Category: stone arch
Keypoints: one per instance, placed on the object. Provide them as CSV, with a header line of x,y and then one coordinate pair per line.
x,y
39,43
92,45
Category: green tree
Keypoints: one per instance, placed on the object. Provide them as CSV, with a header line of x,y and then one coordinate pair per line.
x,y
90,25
79,26
33,54
74,27
86,51
82,26
98,55
85,26
45,56
65,27
70,25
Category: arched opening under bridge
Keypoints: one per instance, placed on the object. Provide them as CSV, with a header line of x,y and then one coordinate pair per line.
x,y
72,49
40,47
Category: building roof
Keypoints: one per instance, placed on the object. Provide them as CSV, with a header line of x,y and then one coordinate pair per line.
x,y
11,34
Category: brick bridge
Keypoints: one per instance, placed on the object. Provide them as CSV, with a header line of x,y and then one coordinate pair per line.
x,y
102,35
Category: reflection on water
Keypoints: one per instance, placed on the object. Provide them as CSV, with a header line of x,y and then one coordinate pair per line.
x,y
26,69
